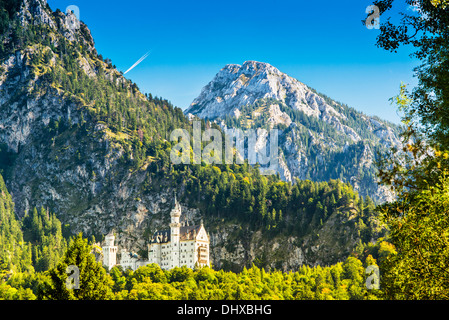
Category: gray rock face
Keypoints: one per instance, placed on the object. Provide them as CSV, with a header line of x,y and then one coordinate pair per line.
x,y
34,12
330,131
235,86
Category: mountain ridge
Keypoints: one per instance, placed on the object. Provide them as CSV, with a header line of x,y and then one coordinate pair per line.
x,y
258,95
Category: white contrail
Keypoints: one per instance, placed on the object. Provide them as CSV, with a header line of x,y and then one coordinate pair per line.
x,y
137,62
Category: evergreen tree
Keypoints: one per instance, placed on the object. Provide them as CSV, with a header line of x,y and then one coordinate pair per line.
x,y
15,255
94,282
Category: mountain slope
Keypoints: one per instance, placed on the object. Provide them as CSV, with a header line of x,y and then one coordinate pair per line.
x,y
75,135
78,138
321,139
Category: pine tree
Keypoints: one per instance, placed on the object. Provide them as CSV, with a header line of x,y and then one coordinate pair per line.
x,y
94,282
12,248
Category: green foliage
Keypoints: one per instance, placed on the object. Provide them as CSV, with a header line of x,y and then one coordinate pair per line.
x,y
43,230
38,247
36,243
239,192
416,267
430,42
15,254
341,281
8,292
419,227
7,10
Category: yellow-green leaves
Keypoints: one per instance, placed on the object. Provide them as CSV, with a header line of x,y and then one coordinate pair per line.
x,y
440,3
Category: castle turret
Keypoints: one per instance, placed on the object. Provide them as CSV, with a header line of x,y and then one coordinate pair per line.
x,y
181,245
109,251
175,226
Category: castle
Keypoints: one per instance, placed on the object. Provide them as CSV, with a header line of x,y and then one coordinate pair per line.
x,y
181,245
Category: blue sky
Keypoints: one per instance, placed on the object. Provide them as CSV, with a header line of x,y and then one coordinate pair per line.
x,y
321,43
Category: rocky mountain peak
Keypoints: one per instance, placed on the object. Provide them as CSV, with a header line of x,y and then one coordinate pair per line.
x,y
38,12
259,68
236,86
35,12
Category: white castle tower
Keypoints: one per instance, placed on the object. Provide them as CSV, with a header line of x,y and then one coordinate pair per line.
x,y
175,226
181,245
109,251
